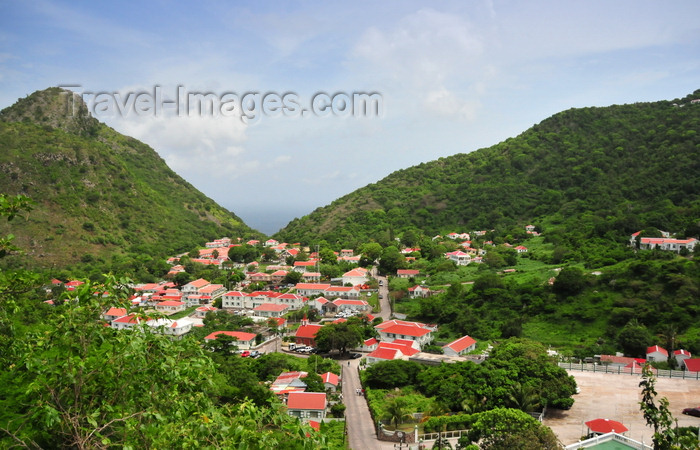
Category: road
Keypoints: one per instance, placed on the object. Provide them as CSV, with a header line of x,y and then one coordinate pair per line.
x,y
384,303
361,433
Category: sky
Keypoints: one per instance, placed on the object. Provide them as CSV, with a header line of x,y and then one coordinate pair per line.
x,y
451,77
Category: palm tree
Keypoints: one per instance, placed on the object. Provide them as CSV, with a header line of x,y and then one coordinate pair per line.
x,y
396,410
473,403
523,397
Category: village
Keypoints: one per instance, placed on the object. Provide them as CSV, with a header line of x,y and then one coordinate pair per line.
x,y
270,307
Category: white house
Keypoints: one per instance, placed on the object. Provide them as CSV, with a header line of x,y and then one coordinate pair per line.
x,y
459,257
459,347
656,353
170,307
420,335
418,291
169,327
233,299
355,276
244,340
270,310
680,356
307,405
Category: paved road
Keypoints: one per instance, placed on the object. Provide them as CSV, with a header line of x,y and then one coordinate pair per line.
x,y
384,294
361,433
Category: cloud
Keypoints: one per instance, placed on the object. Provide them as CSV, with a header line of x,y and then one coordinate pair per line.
x,y
194,145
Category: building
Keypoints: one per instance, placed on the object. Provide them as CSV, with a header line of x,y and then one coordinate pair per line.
x,y
307,405
330,381
680,356
170,307
656,353
306,335
270,310
244,341
407,273
355,277
460,347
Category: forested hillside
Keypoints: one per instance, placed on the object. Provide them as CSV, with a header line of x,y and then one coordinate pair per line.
x,y
591,173
97,193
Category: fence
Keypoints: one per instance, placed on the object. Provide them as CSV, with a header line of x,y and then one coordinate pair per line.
x,y
636,370
455,434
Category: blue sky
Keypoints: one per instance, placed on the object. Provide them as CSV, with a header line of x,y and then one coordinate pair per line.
x,y
454,77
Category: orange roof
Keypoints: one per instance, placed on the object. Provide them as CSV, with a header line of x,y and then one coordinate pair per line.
x,y
270,307
307,400
240,335
198,283
116,312
318,286
656,348
170,303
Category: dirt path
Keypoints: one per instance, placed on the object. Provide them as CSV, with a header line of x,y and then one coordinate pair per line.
x,y
617,397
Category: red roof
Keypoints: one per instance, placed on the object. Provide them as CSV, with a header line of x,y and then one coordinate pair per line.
x,y
400,344
306,400
384,353
692,365
682,353
330,377
242,336
307,331
131,318
318,286
656,348
461,343
340,320
406,330
370,342
604,426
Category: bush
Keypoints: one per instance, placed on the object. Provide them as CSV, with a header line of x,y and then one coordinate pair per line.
x,y
338,410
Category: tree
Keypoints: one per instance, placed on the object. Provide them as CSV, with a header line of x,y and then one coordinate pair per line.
x,y
391,260
570,281
392,374
11,207
397,410
293,277
370,253
338,336
659,417
243,253
634,338
505,429
327,256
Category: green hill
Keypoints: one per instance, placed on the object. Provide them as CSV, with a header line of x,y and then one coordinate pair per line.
x,y
98,193
592,172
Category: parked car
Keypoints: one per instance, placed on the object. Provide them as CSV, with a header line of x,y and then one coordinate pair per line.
x,y
355,355
692,411
245,354
255,354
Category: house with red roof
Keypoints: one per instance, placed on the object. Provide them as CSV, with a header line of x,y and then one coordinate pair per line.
x,y
306,334
271,243
213,291
202,311
303,266
311,277
347,252
459,257
113,313
233,299
193,287
309,289
419,291
355,276
244,341
621,361
421,336
383,354
307,405
345,292
351,305
279,322
369,345
407,273
127,322
521,249
330,381
170,307
278,275
680,356
656,353
459,347
259,277
271,310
